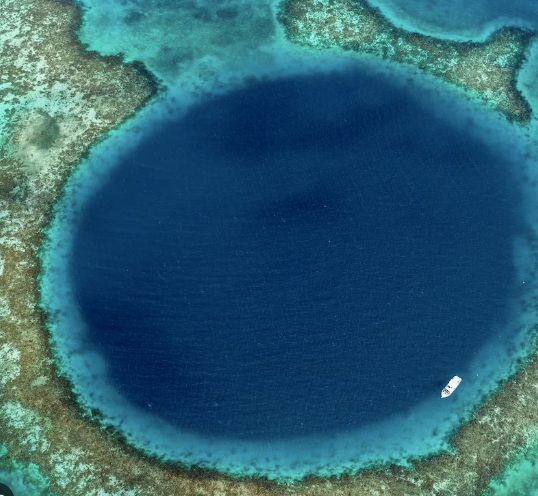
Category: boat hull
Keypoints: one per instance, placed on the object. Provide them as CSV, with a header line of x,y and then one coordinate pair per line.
x,y
450,387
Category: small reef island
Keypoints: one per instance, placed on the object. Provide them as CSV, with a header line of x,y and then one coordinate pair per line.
x,y
56,101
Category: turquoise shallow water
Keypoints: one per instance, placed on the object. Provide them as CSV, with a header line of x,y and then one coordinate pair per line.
x,y
199,48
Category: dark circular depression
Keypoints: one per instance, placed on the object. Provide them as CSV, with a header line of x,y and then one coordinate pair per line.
x,y
298,257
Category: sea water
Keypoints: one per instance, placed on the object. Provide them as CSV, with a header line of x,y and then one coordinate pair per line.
x,y
298,257
295,267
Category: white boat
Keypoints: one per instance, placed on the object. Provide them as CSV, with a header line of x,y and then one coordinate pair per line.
x,y
450,387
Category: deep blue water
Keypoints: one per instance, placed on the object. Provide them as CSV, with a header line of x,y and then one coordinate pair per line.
x,y
297,257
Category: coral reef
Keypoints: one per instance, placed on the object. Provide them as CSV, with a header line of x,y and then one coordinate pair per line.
x,y
487,70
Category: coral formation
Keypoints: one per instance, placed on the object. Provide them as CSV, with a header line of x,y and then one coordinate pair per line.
x,y
487,70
